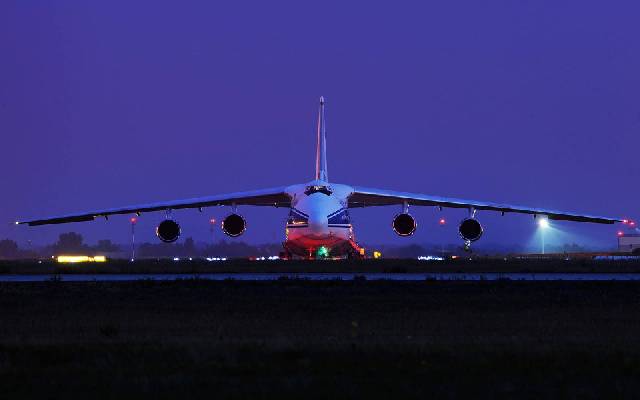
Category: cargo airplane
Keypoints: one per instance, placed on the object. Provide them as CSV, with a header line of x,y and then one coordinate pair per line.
x,y
318,223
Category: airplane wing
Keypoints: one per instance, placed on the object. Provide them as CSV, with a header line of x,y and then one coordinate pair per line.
x,y
367,197
275,197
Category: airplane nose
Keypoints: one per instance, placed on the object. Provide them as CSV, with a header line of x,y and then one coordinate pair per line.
x,y
318,224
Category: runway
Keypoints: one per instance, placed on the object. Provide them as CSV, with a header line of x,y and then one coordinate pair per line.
x,y
412,277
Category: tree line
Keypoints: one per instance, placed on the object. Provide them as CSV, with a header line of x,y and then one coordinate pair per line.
x,y
72,243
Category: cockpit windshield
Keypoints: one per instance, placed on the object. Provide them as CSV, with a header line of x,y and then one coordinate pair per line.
x,y
318,189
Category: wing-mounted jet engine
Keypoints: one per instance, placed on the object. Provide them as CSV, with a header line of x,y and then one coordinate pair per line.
x,y
168,231
470,229
404,224
234,225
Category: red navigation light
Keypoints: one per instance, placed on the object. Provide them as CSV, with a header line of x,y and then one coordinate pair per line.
x,y
442,221
212,221
133,220
620,233
625,221
632,223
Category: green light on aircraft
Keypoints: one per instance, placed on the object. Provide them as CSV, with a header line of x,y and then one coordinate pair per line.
x,y
322,252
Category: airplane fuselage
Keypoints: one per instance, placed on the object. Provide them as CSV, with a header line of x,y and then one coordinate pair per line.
x,y
319,224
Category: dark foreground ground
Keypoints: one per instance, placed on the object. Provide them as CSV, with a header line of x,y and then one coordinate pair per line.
x,y
309,339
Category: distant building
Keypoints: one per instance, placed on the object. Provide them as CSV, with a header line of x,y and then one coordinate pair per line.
x,y
629,242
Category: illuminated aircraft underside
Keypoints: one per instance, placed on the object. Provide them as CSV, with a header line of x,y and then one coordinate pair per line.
x,y
319,224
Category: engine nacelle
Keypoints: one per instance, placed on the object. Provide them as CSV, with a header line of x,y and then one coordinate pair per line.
x,y
470,229
168,231
234,225
404,224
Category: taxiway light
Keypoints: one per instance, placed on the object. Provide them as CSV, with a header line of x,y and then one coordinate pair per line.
x,y
430,258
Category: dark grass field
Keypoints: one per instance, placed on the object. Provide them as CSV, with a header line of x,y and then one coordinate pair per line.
x,y
313,339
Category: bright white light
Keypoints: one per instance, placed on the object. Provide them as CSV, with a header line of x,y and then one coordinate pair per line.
x,y
430,258
176,259
543,223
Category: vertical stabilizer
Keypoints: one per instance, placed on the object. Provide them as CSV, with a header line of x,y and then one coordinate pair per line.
x,y
321,146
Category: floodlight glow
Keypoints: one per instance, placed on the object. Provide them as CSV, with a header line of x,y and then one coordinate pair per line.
x,y
543,224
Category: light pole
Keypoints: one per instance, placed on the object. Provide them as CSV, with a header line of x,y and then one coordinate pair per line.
x,y
442,222
133,221
212,223
543,223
